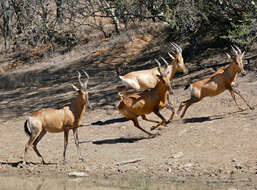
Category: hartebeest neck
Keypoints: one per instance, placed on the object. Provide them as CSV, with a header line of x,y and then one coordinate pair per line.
x,y
232,71
162,91
78,110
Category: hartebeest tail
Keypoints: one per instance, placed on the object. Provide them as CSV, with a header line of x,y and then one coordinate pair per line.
x,y
26,129
223,79
58,120
148,101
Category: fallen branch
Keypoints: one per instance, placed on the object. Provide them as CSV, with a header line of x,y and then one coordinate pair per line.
x,y
129,161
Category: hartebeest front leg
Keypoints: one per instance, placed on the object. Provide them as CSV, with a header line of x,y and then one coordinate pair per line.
x,y
238,93
136,124
76,139
234,98
146,119
171,108
163,122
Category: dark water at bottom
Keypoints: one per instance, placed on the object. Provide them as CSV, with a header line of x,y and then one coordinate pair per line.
x,y
67,183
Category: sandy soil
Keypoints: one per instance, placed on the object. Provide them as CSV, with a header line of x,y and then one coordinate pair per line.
x,y
215,141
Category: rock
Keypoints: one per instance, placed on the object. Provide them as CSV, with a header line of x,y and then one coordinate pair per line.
x,y
188,165
77,174
232,188
178,155
233,160
169,170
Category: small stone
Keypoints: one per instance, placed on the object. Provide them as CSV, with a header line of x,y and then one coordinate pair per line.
x,y
77,174
188,165
178,155
169,170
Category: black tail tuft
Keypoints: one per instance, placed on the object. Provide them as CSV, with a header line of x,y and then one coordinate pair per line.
x,y
186,87
26,129
117,70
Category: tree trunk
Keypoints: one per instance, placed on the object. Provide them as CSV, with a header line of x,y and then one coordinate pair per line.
x,y
7,18
111,12
59,11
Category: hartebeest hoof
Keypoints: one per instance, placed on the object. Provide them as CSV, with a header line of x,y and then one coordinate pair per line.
x,y
252,108
154,135
43,162
65,162
82,160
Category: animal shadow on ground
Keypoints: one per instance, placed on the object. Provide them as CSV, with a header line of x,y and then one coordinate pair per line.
x,y
16,164
202,119
215,117
118,140
110,121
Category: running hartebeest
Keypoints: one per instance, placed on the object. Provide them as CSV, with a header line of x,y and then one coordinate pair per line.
x,y
223,79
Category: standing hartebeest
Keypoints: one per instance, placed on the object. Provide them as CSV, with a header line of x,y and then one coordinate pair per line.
x,y
58,120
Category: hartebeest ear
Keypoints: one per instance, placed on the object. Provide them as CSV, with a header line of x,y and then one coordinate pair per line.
x,y
243,54
74,87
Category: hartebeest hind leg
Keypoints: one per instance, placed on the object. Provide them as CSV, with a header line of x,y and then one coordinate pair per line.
x,y
186,104
42,133
35,137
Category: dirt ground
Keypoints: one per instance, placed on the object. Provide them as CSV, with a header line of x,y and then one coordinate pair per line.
x,y
215,141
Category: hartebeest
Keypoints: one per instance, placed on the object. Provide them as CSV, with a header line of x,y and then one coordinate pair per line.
x,y
221,80
145,79
58,120
148,101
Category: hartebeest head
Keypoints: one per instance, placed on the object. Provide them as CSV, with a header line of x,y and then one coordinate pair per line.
x,y
164,76
178,59
237,59
83,92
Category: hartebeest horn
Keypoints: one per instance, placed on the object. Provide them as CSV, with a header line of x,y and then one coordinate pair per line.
x,y
79,79
166,63
86,81
159,66
171,56
238,50
234,50
177,47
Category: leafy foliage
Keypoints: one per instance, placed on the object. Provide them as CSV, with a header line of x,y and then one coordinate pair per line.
x,y
43,21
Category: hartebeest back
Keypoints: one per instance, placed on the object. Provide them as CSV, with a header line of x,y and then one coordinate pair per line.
x,y
145,79
221,80
58,120
148,101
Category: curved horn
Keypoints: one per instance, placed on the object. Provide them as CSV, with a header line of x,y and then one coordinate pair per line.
x,y
85,74
175,47
238,50
180,49
171,56
86,81
167,64
159,66
234,50
79,78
